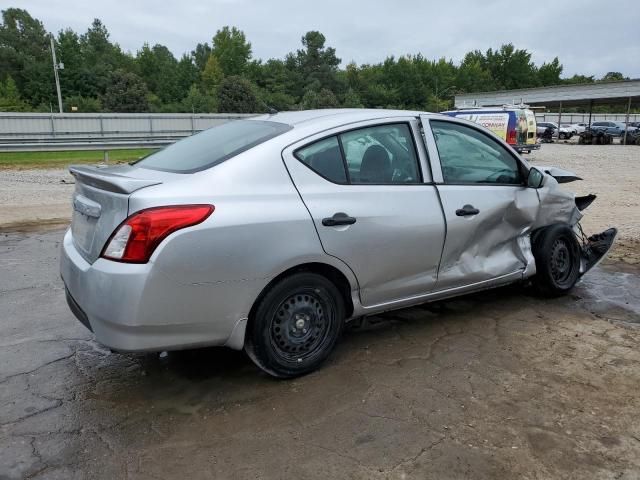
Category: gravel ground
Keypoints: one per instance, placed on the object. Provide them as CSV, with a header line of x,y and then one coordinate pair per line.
x,y
35,196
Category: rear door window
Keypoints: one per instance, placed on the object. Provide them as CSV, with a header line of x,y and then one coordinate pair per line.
x,y
213,146
324,158
383,154
380,155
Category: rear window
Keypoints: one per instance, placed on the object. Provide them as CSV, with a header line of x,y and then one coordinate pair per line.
x,y
213,146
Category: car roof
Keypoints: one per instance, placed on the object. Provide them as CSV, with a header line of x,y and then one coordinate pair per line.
x,y
338,116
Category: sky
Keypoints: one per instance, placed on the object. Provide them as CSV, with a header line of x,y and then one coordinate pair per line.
x,y
590,37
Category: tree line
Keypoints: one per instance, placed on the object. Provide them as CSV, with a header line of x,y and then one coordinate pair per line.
x,y
223,76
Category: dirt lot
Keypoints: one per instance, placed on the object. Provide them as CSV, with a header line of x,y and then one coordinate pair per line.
x,y
497,385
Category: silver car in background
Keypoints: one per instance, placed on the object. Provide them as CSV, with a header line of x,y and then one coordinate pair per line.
x,y
270,233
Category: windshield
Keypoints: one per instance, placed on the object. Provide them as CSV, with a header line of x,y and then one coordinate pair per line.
x,y
213,146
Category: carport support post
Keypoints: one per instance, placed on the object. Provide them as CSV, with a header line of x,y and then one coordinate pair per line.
x,y
626,122
559,119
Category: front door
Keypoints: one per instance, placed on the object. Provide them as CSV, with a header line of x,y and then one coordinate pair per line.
x,y
365,190
488,208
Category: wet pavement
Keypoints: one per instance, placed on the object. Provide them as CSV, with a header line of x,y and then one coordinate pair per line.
x,y
501,384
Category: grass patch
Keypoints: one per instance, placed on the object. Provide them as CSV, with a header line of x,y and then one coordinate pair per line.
x,y
62,159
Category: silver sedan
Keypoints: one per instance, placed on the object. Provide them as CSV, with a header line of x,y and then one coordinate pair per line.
x,y
269,234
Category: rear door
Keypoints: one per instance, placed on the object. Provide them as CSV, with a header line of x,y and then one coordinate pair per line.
x,y
531,127
488,208
369,193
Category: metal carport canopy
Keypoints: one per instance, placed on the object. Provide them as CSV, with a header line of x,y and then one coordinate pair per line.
x,y
622,92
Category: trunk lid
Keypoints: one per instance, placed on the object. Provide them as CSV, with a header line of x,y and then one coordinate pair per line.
x,y
101,203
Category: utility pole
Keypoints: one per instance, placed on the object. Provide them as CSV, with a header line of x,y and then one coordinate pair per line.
x,y
56,66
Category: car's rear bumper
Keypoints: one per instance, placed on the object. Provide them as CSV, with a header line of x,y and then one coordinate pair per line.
x,y
526,147
136,307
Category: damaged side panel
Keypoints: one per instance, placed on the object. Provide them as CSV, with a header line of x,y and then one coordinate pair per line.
x,y
493,243
557,205
497,241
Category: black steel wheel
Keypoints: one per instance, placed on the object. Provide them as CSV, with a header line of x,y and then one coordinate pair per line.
x,y
557,256
295,325
560,261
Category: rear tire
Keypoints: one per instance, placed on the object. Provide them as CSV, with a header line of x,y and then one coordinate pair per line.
x,y
296,325
557,256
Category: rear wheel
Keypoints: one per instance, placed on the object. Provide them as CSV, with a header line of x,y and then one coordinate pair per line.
x,y
557,255
296,325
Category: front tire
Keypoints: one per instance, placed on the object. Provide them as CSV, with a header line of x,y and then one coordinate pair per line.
x,y
296,325
557,256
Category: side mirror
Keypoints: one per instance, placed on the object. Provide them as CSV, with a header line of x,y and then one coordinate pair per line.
x,y
535,179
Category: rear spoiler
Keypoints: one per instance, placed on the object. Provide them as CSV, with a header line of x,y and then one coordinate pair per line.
x,y
111,182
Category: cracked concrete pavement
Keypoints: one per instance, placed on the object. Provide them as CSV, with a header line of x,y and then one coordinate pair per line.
x,y
501,384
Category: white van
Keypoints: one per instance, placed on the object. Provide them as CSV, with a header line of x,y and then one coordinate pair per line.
x,y
515,124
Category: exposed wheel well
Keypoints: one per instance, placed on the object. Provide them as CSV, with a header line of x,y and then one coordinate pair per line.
x,y
331,273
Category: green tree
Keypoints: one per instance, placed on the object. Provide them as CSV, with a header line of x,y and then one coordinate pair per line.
x,y
511,68
82,104
198,102
126,93
274,83
212,75
377,91
315,66
232,50
10,100
310,77
101,58
351,99
187,73
73,76
235,95
578,79
549,73
323,99
159,69
200,55
25,56
473,75
613,77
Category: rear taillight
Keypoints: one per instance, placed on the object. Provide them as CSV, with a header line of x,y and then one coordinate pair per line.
x,y
513,137
135,240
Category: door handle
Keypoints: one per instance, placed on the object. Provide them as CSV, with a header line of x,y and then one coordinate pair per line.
x,y
467,211
339,218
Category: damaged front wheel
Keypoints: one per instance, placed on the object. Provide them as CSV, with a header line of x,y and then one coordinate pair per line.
x,y
557,255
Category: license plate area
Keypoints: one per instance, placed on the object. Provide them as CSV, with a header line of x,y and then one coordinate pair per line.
x,y
83,229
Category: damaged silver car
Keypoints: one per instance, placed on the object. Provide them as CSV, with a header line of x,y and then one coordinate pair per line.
x,y
269,234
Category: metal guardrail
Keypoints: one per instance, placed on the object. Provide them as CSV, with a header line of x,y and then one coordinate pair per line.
x,y
61,146
20,132
23,132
